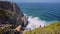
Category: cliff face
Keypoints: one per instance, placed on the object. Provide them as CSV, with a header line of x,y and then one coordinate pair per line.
x,y
10,13
10,17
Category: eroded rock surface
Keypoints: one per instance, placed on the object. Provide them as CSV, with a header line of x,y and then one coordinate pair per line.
x,y
11,15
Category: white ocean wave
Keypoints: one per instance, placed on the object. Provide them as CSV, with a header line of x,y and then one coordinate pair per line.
x,y
35,22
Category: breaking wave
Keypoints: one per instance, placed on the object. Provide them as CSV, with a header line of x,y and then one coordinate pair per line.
x,y
35,22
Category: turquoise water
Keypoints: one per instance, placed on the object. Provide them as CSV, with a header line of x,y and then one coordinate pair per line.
x,y
40,13
45,11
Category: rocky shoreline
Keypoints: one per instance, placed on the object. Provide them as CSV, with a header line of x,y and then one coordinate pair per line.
x,y
11,17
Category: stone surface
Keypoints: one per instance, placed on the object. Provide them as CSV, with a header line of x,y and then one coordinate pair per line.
x,y
11,15
12,11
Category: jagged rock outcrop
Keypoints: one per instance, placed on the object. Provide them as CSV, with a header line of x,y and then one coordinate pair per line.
x,y
11,14
12,11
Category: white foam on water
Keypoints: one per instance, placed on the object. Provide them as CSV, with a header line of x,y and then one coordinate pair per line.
x,y
35,22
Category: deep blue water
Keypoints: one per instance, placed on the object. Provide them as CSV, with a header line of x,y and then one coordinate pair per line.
x,y
45,11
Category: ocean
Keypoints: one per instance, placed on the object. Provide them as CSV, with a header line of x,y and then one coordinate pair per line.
x,y
40,13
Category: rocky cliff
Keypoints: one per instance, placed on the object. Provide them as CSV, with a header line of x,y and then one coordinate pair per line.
x,y
11,15
12,11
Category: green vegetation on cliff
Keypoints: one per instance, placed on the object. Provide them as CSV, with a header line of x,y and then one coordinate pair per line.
x,y
53,28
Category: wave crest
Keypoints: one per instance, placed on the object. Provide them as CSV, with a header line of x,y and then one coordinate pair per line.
x,y
35,22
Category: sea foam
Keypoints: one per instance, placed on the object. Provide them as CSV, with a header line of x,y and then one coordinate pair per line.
x,y
35,22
